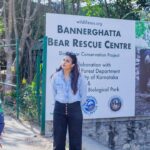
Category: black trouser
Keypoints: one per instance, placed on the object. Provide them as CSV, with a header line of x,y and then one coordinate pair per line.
x,y
67,116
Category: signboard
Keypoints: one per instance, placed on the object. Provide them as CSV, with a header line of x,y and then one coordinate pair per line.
x,y
105,49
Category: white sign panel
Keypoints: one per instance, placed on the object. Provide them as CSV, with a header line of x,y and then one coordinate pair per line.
x,y
106,54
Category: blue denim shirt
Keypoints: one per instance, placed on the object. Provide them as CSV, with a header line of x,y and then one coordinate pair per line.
x,y
62,91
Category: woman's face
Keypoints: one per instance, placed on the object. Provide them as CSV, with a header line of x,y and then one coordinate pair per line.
x,y
67,63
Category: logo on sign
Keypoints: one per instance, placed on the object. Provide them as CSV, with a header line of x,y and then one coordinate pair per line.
x,y
115,103
90,105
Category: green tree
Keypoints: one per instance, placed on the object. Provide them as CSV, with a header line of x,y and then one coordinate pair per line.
x,y
111,9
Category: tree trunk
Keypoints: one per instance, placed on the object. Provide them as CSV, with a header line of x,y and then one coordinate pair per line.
x,y
107,10
8,23
14,20
63,8
15,24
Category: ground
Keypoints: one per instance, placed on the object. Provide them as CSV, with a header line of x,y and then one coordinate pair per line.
x,y
23,135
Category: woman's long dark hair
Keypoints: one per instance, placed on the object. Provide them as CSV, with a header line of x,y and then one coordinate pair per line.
x,y
74,72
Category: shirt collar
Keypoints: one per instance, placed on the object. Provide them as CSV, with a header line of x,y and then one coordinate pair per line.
x,y
62,75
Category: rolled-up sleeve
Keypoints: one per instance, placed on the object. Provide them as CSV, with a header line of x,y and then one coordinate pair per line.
x,y
83,89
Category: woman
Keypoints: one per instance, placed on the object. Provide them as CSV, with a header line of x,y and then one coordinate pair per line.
x,y
69,90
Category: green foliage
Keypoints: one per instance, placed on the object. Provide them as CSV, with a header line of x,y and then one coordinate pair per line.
x,y
111,9
140,29
10,102
28,102
68,6
2,30
141,3
11,94
124,9
92,10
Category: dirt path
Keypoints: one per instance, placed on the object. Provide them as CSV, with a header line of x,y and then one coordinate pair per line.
x,y
23,136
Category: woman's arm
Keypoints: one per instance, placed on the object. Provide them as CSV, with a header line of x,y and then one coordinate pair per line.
x,y
83,89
